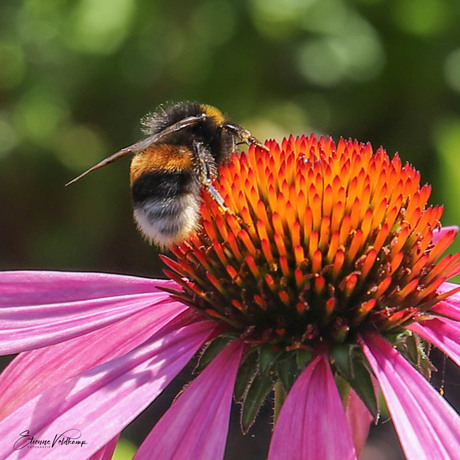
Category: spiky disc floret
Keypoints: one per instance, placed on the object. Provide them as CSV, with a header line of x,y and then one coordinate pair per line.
x,y
319,243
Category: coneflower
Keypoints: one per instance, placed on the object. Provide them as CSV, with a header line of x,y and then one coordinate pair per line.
x,y
322,282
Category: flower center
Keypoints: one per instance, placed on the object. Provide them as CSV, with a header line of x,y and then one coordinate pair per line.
x,y
319,242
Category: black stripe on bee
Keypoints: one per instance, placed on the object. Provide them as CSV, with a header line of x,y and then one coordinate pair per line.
x,y
162,184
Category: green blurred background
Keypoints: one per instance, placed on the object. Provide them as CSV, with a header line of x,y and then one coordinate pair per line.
x,y
76,76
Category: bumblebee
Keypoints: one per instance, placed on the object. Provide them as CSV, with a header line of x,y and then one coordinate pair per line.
x,y
186,145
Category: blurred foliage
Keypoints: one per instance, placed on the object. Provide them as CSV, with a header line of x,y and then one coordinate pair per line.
x,y
76,76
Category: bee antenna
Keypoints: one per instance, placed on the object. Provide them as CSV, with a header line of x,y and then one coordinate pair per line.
x,y
101,164
145,143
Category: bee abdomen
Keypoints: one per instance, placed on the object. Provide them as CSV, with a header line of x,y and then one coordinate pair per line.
x,y
166,205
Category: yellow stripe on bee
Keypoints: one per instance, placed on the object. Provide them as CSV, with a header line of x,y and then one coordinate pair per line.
x,y
213,113
160,158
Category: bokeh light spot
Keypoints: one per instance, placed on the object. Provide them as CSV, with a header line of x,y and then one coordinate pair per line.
x,y
276,18
78,146
421,17
322,62
101,26
452,70
346,47
39,113
13,67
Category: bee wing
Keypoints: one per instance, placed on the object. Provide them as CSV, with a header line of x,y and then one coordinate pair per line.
x,y
140,146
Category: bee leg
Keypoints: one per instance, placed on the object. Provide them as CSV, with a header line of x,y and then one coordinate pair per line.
x,y
207,171
244,135
217,197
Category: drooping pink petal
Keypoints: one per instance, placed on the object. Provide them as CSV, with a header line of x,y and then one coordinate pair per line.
x,y
359,420
449,307
439,233
196,425
426,424
33,372
441,332
312,423
103,400
38,309
446,287
106,452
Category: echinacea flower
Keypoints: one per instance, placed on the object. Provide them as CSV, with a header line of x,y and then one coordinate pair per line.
x,y
323,281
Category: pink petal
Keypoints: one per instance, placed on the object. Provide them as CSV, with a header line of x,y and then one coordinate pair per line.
x,y
439,233
312,423
446,287
426,424
359,420
449,307
19,288
33,372
441,332
196,425
44,308
106,452
103,400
